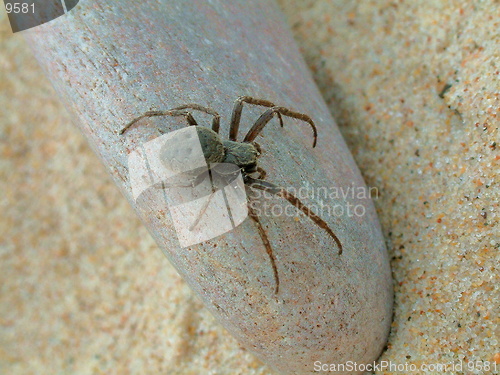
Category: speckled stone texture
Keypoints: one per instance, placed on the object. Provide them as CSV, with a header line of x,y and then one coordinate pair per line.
x,y
381,66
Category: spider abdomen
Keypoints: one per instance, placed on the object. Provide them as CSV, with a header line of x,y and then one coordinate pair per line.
x,y
211,144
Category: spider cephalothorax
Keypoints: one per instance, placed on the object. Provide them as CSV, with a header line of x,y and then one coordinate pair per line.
x,y
244,155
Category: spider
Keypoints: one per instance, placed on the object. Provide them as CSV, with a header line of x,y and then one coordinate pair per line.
x,y
244,155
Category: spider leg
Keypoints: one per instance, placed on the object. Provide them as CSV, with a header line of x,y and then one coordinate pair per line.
x,y
276,190
173,112
257,146
210,111
238,107
262,173
199,179
195,182
268,115
182,180
263,235
202,211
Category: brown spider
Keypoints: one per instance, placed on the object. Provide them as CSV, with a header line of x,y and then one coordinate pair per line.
x,y
244,155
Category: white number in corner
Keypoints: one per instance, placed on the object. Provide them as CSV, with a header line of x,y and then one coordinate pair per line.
x,y
18,8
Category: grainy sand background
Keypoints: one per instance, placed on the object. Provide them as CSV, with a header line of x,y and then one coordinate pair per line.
x,y
85,290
